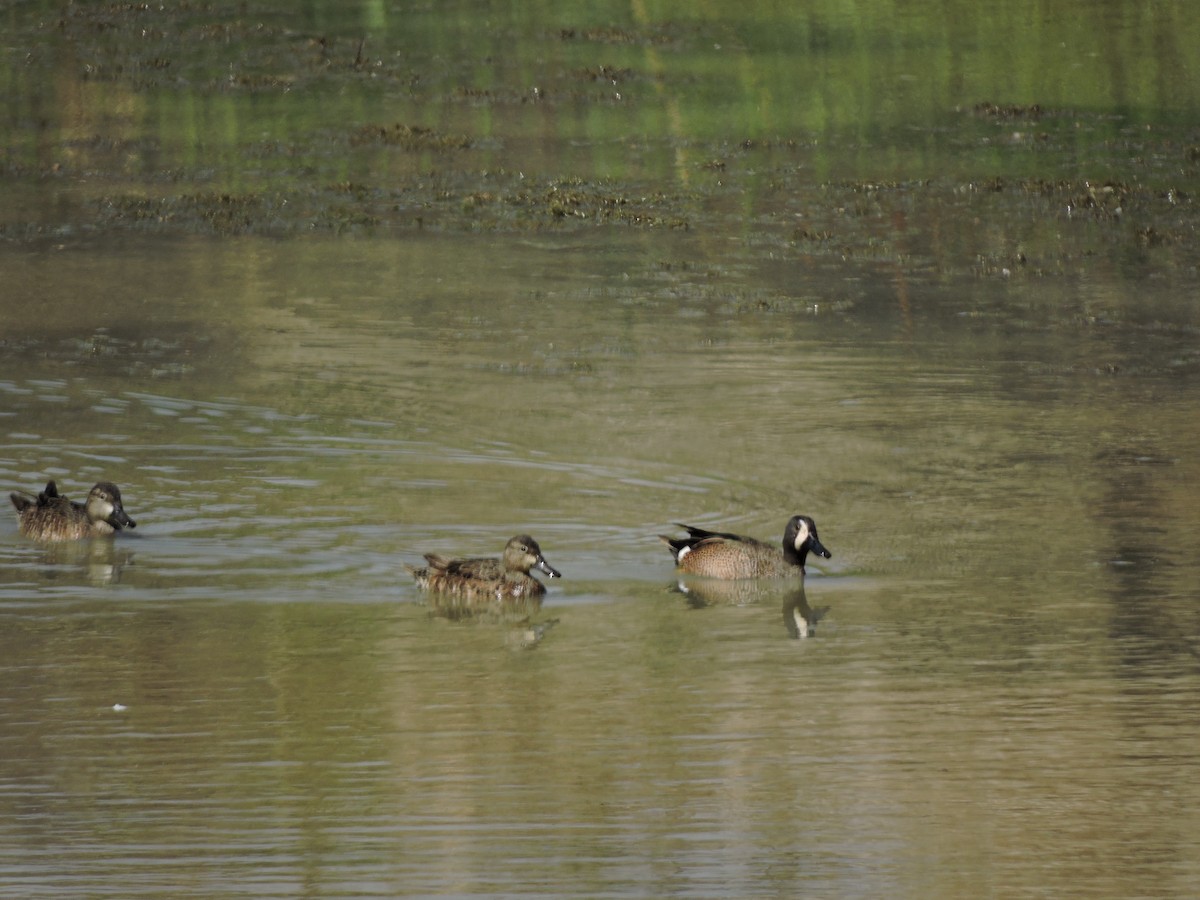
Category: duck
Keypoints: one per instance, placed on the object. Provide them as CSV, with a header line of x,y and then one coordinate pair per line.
x,y
52,517
718,554
487,578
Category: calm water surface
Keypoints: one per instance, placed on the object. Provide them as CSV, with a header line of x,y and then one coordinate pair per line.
x,y
989,402
245,696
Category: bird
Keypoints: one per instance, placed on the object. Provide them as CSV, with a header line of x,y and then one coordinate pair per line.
x,y
487,578
52,517
718,554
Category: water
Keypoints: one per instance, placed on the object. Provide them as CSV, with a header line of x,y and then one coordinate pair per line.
x,y
245,695
986,399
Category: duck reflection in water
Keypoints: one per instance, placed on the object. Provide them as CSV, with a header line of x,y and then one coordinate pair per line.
x,y
458,608
799,618
104,561
702,592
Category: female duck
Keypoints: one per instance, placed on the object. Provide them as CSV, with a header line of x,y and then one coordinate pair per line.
x,y
52,517
729,556
487,578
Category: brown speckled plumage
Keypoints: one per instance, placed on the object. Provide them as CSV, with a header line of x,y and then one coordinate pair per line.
x,y
487,578
52,517
721,555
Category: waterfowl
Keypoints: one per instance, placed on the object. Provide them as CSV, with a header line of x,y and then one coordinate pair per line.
x,y
718,554
487,578
52,517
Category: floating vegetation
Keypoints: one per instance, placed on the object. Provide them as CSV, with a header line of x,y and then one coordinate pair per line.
x,y
987,110
611,74
612,34
408,137
576,199
218,213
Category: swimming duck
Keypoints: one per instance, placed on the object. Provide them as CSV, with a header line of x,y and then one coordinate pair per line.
x,y
487,578
52,517
721,555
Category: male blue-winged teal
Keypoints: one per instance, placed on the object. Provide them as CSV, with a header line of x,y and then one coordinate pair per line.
x,y
52,517
721,555
487,578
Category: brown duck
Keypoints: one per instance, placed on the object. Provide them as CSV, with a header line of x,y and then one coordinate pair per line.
x,y
718,554
480,578
52,517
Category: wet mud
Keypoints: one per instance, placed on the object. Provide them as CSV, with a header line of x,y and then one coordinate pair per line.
x,y
344,167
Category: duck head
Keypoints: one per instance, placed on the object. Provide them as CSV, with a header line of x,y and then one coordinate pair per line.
x,y
522,553
800,539
104,505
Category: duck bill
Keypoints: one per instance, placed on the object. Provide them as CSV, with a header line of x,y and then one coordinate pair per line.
x,y
818,548
549,570
119,520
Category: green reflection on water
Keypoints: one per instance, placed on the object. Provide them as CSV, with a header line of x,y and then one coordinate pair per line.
x,y
879,79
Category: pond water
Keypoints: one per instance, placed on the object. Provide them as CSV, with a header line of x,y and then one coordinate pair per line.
x,y
959,332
